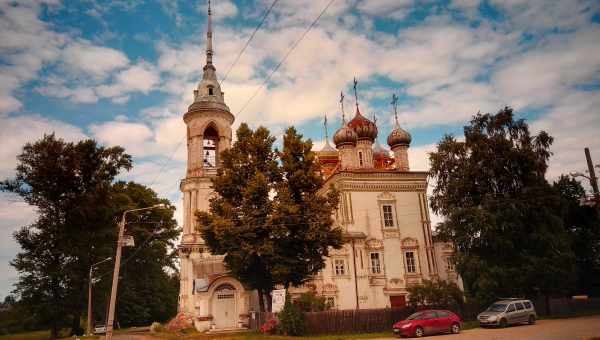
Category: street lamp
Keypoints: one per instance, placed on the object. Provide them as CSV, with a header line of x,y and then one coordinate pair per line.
x,y
90,282
115,281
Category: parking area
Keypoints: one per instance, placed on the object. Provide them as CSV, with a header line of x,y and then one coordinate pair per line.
x,y
560,329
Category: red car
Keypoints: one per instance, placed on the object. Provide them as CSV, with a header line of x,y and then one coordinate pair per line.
x,y
428,322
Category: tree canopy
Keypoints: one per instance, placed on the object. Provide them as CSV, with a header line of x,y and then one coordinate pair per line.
x,y
267,217
72,186
500,211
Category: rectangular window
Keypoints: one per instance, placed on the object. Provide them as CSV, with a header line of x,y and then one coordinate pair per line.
x,y
388,217
519,306
411,263
449,264
375,263
527,304
360,158
330,301
339,267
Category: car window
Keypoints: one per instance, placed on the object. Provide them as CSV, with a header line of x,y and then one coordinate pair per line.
x,y
443,314
497,307
527,304
519,306
511,308
415,316
428,315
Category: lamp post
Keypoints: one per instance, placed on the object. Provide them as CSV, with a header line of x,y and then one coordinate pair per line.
x,y
115,281
90,283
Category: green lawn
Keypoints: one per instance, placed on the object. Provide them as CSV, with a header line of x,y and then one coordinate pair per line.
x,y
38,335
259,336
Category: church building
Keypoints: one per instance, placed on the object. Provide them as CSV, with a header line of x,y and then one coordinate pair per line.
x,y
383,213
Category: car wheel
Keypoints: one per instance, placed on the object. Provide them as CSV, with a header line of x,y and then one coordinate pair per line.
x,y
419,332
503,323
455,329
531,320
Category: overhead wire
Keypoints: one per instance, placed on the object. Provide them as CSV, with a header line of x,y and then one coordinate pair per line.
x,y
290,50
265,15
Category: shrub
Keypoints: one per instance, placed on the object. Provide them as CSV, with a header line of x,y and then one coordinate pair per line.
x,y
310,302
270,326
435,293
156,327
291,319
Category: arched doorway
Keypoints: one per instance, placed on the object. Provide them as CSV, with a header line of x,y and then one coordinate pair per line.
x,y
224,306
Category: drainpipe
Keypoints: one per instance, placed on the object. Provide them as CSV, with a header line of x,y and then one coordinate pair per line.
x,y
355,277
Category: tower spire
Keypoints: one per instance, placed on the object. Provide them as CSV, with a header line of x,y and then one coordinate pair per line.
x,y
395,105
355,94
209,48
325,125
342,103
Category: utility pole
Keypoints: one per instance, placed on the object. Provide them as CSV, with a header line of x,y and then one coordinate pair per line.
x,y
115,282
593,179
90,283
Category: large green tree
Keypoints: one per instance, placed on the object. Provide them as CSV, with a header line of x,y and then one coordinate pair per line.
x,y
500,211
267,217
583,225
72,187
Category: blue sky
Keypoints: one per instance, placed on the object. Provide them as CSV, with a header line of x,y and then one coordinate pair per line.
x,y
123,72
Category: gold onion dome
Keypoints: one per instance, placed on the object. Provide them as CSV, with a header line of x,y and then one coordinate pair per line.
x,y
399,136
364,128
344,136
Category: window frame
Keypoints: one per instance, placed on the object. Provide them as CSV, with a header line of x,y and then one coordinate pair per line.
x,y
372,267
336,272
391,218
412,265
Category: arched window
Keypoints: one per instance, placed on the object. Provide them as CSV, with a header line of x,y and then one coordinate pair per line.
x,y
210,90
209,147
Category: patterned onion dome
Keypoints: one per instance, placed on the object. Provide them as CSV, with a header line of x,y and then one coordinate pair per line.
x,y
364,128
345,135
379,151
399,136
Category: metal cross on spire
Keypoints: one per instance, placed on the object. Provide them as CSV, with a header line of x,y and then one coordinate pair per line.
x,y
325,125
395,105
209,49
342,103
355,95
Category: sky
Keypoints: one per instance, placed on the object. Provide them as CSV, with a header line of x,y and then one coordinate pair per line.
x,y
123,72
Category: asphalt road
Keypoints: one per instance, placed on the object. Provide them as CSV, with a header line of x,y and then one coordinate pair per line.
x,y
559,329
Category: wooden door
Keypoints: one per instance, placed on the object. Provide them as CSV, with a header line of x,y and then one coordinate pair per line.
x,y
398,301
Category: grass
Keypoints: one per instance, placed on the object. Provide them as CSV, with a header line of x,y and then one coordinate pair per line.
x,y
39,335
259,336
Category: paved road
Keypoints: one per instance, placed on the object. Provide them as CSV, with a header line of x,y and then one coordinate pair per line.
x,y
561,329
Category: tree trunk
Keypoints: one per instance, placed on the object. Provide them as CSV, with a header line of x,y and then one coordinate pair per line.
x,y
76,323
261,300
269,301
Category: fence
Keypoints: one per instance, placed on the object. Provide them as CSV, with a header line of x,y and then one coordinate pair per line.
x,y
380,320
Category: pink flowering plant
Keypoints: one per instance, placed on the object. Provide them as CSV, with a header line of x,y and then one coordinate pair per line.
x,y
269,327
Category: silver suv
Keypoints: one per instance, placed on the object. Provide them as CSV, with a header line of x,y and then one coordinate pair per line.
x,y
507,312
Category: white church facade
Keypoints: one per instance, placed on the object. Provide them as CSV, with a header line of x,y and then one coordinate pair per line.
x,y
383,213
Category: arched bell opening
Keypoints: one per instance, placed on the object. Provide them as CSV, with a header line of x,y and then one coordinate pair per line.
x,y
210,144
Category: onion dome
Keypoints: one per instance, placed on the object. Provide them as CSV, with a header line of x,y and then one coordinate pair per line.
x,y
345,135
379,151
364,128
399,136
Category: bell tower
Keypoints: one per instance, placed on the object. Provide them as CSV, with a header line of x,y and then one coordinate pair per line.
x,y
208,120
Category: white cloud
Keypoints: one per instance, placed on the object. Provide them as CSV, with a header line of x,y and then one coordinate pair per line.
x,y
96,61
390,9
142,77
220,9
18,130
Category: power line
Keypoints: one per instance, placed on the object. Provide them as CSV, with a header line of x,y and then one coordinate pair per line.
x,y
292,48
248,41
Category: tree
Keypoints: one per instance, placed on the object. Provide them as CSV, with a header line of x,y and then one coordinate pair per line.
x,y
583,226
435,293
72,186
269,240
64,181
500,211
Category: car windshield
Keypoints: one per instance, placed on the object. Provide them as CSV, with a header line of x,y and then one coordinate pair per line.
x,y
416,316
497,307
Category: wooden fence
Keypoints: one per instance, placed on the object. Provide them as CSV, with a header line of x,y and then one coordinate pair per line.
x,y
380,320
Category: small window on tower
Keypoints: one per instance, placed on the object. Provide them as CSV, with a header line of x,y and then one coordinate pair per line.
x,y
360,158
209,147
210,90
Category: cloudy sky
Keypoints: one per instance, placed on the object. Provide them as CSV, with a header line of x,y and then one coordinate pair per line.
x,y
123,72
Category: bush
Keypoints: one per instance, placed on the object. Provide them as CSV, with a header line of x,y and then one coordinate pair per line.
x,y
156,327
269,327
291,319
310,302
435,293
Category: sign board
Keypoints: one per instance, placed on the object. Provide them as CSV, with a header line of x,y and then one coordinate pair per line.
x,y
278,296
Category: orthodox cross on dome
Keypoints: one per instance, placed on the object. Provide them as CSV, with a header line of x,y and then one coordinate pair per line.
x,y
395,105
342,103
209,49
355,95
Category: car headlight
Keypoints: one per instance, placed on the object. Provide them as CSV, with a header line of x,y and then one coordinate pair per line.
x,y
493,318
406,325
